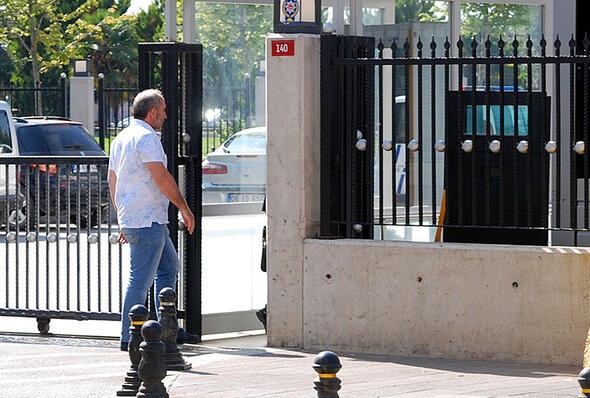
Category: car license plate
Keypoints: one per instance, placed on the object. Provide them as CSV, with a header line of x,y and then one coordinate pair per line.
x,y
245,197
84,168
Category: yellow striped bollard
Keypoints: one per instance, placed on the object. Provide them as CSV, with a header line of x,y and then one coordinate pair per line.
x,y
326,365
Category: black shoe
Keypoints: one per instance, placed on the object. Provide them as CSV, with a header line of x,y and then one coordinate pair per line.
x,y
124,346
261,315
187,338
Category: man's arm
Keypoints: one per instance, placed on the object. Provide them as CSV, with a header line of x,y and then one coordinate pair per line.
x,y
112,178
168,186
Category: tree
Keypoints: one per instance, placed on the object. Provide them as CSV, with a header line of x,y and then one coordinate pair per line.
x,y
150,23
416,11
32,29
233,38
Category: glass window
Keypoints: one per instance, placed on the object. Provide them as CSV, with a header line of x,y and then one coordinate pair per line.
x,y
482,21
5,139
482,122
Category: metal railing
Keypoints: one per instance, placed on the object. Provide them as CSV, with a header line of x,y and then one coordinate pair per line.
x,y
58,255
40,100
469,148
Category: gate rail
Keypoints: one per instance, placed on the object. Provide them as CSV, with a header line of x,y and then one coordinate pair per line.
x,y
59,258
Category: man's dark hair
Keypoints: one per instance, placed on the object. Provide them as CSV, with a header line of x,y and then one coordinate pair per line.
x,y
145,101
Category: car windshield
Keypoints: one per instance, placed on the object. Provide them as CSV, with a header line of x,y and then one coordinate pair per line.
x,y
247,143
56,139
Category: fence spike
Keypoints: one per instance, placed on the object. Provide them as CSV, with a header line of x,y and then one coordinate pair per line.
x,y
557,45
447,47
433,47
586,43
529,46
572,44
393,48
515,46
380,47
543,44
460,47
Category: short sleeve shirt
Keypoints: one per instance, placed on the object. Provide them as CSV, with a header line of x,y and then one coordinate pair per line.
x,y
140,202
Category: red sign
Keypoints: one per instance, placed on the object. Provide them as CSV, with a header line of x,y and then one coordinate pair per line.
x,y
283,48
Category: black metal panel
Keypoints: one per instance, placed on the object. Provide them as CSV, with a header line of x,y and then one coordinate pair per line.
x,y
499,191
347,173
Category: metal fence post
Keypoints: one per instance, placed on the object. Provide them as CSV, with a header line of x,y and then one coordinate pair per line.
x,y
101,118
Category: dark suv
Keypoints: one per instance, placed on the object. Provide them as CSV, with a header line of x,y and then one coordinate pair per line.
x,y
71,188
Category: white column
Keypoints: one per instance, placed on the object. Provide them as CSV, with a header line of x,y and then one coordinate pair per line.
x,y
293,179
82,101
170,25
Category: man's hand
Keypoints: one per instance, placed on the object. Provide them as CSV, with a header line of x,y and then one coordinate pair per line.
x,y
121,239
189,220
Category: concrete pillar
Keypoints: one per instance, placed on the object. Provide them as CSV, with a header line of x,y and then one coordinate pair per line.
x,y
293,179
82,101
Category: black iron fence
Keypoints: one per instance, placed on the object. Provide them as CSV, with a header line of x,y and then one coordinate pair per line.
x,y
40,100
437,142
58,248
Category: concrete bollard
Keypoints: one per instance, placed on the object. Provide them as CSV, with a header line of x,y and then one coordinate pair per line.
x,y
169,322
152,368
139,315
584,381
327,364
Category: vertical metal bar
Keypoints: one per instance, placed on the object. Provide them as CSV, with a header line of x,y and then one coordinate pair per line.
x,y
420,138
586,124
557,202
64,97
433,130
394,134
447,72
407,132
193,95
573,168
502,157
530,138
473,154
488,133
88,226
545,156
101,116
380,132
515,175
460,134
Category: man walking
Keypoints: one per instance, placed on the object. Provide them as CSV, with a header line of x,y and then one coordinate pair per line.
x,y
141,188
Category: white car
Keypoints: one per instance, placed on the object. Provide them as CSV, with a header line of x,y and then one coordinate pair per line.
x,y
12,202
236,171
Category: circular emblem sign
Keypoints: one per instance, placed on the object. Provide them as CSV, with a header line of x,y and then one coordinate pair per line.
x,y
290,10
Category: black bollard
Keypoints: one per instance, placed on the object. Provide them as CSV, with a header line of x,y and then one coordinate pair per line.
x,y
327,364
152,368
584,381
169,322
139,315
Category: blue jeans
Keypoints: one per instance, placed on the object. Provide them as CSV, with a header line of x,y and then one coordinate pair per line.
x,y
152,255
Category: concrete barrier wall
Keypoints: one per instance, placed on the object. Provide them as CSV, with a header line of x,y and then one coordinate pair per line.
x,y
503,303
514,303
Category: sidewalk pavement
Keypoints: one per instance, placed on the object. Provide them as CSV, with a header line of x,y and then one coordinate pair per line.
x,y
53,366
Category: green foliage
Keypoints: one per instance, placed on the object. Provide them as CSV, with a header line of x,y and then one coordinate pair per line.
x,y
43,36
417,11
490,20
150,23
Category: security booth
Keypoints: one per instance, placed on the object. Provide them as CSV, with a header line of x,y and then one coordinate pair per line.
x,y
496,166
